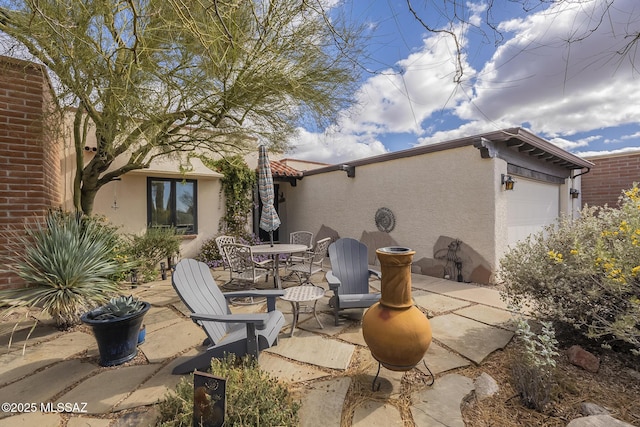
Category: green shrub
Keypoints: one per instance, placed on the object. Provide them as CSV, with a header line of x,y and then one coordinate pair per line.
x,y
585,272
253,398
150,248
533,368
237,185
69,263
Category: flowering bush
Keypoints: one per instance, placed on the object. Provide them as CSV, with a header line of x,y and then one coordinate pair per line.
x,y
585,272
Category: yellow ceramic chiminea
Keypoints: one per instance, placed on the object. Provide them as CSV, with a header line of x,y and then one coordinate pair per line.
x,y
397,332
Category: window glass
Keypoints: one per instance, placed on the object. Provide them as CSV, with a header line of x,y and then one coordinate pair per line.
x,y
172,203
185,206
160,203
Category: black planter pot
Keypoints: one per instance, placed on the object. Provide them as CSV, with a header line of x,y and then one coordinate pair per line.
x,y
117,338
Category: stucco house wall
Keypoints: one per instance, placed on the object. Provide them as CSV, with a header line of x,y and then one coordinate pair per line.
x,y
429,197
124,202
453,189
610,175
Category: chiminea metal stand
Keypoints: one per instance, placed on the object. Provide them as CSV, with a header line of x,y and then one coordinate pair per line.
x,y
422,374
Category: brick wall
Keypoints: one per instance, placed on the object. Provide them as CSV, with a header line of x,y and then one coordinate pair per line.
x,y
29,154
610,175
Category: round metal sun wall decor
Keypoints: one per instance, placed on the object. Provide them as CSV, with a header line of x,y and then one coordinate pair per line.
x,y
385,221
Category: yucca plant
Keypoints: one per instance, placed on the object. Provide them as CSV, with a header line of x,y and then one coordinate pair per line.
x,y
69,264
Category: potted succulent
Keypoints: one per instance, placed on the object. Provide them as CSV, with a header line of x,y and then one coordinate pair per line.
x,y
116,326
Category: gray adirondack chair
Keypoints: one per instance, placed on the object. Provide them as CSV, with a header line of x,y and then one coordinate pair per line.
x,y
240,334
349,276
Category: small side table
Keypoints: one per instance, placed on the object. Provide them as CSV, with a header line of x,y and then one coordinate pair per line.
x,y
303,293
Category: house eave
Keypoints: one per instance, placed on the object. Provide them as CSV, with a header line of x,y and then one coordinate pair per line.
x,y
508,144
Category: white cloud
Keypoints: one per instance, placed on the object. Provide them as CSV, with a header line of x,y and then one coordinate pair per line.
x,y
626,150
536,80
561,88
334,148
390,102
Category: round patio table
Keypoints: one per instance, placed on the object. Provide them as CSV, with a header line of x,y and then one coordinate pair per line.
x,y
303,293
275,251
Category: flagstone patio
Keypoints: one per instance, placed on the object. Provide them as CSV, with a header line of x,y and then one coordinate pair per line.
x,y
469,323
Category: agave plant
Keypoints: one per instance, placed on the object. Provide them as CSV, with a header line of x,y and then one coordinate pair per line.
x,y
68,263
120,306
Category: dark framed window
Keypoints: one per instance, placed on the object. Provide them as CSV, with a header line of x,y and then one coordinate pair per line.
x,y
172,203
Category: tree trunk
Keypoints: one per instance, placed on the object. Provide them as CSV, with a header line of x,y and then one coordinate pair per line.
x,y
87,199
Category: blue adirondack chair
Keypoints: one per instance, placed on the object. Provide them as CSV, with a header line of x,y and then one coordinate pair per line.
x,y
349,276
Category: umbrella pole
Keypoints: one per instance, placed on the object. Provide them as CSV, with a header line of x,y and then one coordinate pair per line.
x,y
271,237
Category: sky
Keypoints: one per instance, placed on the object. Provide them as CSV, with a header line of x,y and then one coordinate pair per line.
x,y
562,72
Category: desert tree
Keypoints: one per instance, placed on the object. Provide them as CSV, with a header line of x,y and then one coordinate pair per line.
x,y
165,77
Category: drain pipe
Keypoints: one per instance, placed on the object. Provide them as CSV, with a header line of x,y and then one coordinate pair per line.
x,y
574,190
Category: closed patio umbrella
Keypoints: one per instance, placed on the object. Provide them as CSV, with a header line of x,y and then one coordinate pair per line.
x,y
269,220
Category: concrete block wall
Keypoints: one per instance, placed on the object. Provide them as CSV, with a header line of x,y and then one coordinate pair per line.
x,y
609,177
29,154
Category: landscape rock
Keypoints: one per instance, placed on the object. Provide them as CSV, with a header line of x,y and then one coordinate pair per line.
x,y
598,421
485,386
588,408
582,358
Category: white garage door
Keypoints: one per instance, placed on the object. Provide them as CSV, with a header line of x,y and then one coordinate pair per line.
x,y
531,206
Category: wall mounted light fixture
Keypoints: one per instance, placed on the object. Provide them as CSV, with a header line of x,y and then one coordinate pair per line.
x,y
574,193
508,182
350,170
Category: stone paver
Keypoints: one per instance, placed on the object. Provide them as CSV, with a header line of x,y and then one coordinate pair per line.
x,y
34,419
180,336
14,365
468,330
328,321
160,317
387,384
440,360
311,348
488,315
155,387
473,340
103,391
322,403
285,370
439,405
376,414
464,291
159,298
354,336
437,303
45,384
88,422
23,329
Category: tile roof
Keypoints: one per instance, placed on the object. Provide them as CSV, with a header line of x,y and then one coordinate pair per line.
x,y
281,170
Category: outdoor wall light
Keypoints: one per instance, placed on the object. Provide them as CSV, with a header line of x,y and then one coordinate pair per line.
x,y
574,193
508,182
350,170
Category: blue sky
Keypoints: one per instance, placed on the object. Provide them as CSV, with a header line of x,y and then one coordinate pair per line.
x,y
582,96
